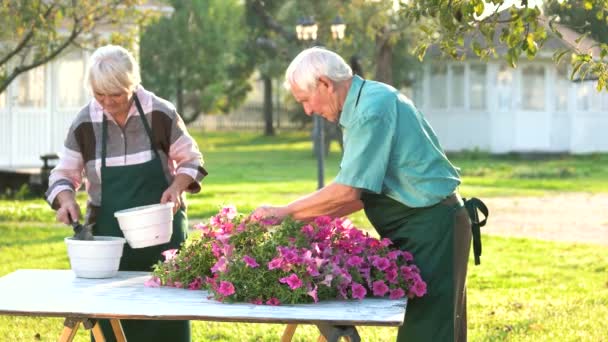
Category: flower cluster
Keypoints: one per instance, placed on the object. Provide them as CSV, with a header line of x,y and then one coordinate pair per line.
x,y
260,261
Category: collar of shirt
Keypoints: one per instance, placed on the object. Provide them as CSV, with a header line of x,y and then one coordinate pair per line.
x,y
144,96
348,108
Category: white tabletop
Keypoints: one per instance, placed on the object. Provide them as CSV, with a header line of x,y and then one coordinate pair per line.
x,y
60,293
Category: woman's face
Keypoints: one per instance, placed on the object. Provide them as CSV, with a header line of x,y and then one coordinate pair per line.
x,y
116,104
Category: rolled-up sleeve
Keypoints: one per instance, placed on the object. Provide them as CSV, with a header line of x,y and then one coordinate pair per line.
x,y
184,155
67,175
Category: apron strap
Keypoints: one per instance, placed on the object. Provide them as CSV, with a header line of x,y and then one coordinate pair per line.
x,y
104,132
473,205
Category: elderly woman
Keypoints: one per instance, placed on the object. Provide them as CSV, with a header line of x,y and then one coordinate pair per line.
x,y
134,149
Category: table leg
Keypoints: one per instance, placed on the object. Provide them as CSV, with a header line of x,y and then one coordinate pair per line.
x,y
98,333
70,327
290,330
118,332
332,333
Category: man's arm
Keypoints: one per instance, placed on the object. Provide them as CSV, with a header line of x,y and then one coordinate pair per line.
x,y
334,200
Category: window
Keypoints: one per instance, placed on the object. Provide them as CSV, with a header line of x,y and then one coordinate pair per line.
x,y
70,72
457,86
478,86
588,99
30,88
504,87
533,87
562,82
438,98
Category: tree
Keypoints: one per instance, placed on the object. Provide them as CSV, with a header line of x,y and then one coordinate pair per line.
x,y
573,14
197,57
458,26
36,31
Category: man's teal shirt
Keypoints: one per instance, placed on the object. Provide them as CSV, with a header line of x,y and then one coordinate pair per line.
x,y
390,148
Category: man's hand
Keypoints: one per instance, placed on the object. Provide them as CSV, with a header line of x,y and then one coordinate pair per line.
x,y
174,191
68,208
267,211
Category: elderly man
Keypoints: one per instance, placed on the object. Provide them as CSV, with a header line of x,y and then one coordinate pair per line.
x,y
394,168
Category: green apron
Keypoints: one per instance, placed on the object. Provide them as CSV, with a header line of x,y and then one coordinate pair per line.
x,y
129,186
439,237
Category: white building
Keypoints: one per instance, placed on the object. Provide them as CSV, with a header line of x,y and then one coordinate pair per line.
x,y
534,108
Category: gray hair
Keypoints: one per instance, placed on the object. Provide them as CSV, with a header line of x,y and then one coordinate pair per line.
x,y
113,69
310,64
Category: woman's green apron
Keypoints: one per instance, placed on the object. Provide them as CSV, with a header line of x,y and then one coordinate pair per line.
x,y
439,237
130,186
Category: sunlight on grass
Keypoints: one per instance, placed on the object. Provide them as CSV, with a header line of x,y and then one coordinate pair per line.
x,y
525,290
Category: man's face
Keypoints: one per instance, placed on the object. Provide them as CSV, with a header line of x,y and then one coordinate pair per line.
x,y
321,100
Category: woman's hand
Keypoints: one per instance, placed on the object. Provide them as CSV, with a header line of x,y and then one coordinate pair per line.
x,y
174,191
68,207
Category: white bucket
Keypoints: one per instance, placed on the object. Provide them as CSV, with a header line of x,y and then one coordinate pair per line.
x,y
148,225
98,258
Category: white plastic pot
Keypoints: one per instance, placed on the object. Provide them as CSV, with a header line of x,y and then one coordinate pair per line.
x,y
98,258
148,225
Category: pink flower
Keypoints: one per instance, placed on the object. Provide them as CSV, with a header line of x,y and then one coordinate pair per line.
x,y
379,288
313,294
273,301
393,255
381,263
358,291
275,263
250,261
391,274
386,242
396,293
407,255
169,254
419,289
354,261
196,284
152,282
226,288
220,266
229,211
293,281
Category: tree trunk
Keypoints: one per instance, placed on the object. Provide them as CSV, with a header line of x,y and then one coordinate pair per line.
x,y
384,59
268,127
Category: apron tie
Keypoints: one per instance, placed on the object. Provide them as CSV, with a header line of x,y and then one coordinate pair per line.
x,y
472,205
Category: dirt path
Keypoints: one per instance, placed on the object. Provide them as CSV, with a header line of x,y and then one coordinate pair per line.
x,y
573,217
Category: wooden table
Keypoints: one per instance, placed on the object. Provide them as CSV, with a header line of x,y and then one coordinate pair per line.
x,y
58,293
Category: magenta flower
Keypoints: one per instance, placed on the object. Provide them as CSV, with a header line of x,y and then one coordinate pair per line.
x,y
379,288
275,263
354,261
381,263
196,284
358,291
169,254
407,256
396,293
391,275
250,261
273,301
393,255
293,281
226,288
419,289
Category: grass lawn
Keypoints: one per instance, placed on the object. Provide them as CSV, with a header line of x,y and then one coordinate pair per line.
x,y
525,290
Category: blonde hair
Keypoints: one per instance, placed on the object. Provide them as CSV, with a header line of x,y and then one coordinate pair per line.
x,y
310,64
113,69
